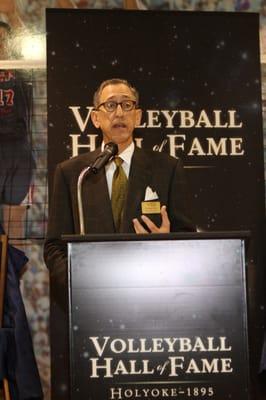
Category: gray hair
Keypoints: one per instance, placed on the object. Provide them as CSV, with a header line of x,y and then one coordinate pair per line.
x,y
113,81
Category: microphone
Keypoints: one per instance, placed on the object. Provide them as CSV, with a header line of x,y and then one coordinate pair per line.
x,y
110,150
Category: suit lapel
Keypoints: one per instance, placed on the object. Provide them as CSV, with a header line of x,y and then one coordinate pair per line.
x,y
96,202
139,179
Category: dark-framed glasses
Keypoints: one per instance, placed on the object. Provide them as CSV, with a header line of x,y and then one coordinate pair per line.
x,y
111,105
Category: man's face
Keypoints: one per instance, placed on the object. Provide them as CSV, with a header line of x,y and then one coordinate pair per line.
x,y
117,126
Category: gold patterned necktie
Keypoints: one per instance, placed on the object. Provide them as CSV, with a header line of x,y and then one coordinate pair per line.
x,y
119,192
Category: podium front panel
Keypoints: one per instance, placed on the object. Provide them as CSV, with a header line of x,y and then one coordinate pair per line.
x,y
158,320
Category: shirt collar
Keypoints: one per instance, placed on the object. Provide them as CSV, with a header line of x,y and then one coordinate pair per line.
x,y
127,154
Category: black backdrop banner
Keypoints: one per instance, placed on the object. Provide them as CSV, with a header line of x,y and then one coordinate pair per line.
x,y
198,75
199,81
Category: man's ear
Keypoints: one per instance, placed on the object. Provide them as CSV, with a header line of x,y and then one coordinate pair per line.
x,y
94,118
138,116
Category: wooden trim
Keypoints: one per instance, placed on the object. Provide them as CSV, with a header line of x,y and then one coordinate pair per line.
x,y
6,390
3,269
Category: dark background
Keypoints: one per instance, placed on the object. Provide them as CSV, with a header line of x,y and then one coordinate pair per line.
x,y
177,61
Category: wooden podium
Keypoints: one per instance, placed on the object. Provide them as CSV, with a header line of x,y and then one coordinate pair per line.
x,y
158,317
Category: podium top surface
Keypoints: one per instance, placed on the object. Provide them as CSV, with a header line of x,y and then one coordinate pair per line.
x,y
243,235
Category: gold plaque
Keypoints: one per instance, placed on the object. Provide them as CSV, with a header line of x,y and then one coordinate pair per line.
x,y
150,207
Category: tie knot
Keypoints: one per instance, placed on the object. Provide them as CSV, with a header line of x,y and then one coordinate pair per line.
x,y
118,161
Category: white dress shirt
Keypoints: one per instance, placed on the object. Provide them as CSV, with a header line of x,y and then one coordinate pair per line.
x,y
110,168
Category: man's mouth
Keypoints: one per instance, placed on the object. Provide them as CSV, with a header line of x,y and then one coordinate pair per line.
x,y
119,125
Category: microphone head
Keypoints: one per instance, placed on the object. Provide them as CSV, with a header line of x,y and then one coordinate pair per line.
x,y
112,148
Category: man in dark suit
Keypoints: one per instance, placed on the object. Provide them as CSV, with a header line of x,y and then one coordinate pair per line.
x,y
154,201
151,174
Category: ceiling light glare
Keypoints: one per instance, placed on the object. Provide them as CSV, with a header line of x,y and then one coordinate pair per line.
x,y
33,47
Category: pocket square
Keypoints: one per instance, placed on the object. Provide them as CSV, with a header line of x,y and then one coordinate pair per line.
x,y
150,195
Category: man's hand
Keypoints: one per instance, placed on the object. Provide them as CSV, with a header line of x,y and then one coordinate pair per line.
x,y
164,228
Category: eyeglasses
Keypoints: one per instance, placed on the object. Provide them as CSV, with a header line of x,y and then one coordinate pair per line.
x,y
111,105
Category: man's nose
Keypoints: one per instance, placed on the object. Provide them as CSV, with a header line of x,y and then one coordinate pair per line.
x,y
119,110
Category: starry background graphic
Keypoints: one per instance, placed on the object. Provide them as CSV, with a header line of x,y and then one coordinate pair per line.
x,y
177,60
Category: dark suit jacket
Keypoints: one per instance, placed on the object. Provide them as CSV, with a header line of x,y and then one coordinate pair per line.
x,y
157,170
